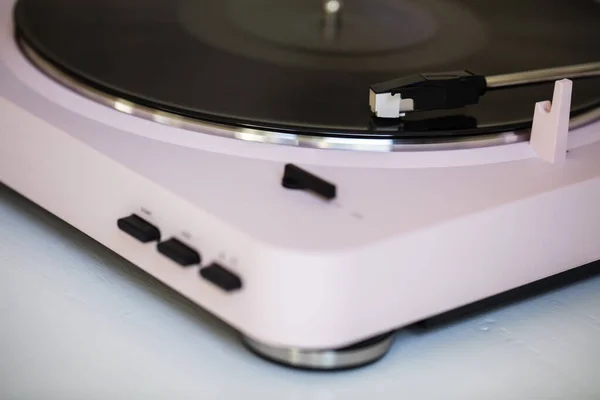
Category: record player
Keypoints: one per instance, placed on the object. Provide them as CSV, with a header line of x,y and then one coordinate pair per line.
x,y
315,174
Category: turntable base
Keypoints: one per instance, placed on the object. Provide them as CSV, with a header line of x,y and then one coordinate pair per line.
x,y
310,253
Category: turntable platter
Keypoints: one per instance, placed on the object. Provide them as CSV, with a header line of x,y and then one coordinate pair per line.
x,y
267,64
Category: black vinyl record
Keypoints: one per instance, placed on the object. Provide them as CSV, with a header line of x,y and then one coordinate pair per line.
x,y
276,64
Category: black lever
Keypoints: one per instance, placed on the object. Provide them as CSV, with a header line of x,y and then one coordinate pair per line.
x,y
298,179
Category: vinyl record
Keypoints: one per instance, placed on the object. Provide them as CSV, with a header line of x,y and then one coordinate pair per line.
x,y
282,65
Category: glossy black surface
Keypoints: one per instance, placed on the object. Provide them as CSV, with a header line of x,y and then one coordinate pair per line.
x,y
264,64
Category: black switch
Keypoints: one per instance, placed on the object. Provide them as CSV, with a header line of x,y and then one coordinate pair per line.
x,y
221,277
179,252
296,178
139,228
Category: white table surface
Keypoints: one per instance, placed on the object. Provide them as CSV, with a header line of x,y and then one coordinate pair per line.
x,y
78,322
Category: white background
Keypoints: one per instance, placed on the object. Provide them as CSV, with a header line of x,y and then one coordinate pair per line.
x,y
78,322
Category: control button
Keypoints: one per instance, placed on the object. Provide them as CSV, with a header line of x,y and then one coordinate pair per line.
x,y
181,253
221,277
139,228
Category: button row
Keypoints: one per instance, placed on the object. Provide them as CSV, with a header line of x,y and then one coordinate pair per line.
x,y
178,252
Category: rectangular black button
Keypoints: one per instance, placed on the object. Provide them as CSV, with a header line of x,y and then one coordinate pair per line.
x,y
139,228
221,277
181,253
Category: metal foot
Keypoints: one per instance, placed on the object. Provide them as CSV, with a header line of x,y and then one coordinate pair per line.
x,y
354,356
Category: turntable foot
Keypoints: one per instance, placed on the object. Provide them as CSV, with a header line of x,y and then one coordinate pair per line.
x,y
354,356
